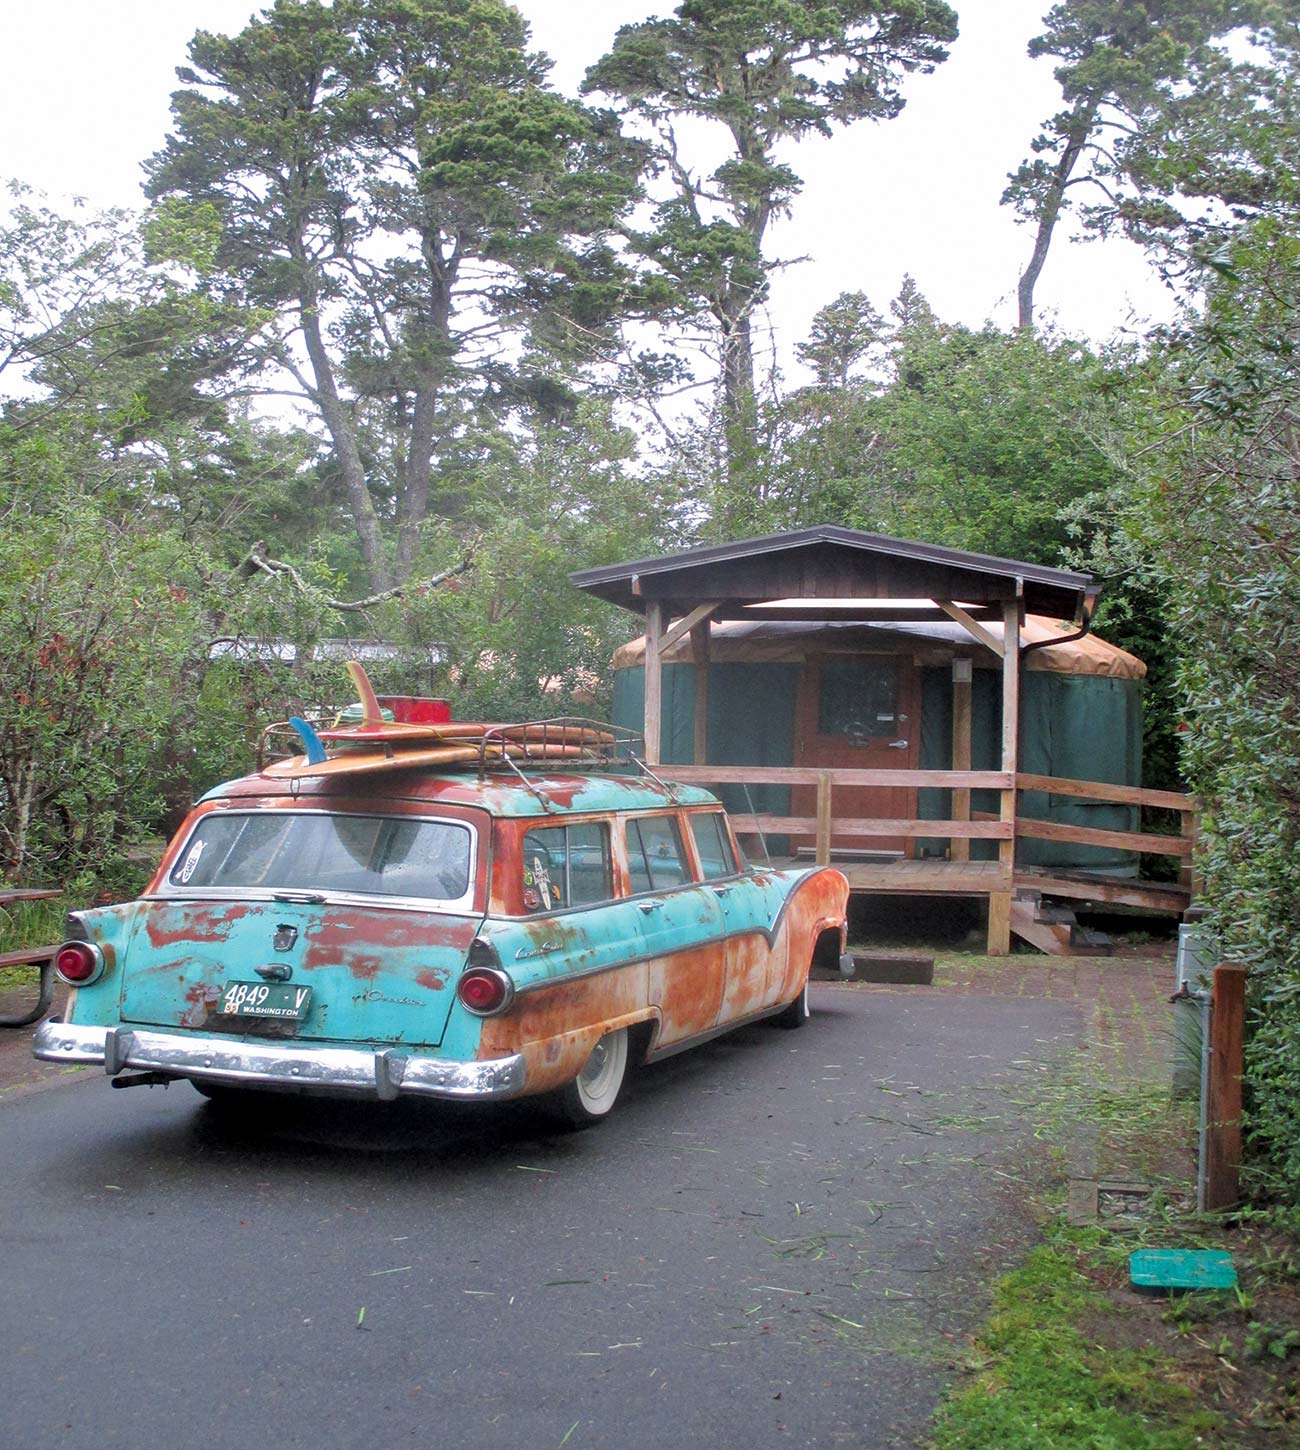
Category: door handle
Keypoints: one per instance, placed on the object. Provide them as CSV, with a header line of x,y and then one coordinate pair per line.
x,y
648,906
898,745
720,890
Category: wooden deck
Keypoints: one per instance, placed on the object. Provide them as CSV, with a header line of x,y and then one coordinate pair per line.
x,y
914,878
981,878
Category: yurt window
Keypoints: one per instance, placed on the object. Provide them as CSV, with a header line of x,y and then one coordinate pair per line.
x,y
857,702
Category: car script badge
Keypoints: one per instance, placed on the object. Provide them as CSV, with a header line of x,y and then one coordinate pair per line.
x,y
284,938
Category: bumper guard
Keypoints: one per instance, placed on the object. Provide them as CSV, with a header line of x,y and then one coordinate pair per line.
x,y
386,1074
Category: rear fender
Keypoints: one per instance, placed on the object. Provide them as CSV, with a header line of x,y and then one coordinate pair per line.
x,y
109,928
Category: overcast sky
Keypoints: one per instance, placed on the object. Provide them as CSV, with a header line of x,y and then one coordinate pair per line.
x,y
84,88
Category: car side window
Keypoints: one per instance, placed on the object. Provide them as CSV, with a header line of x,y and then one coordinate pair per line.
x,y
713,845
567,866
655,855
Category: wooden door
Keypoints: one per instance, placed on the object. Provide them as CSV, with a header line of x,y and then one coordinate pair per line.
x,y
860,712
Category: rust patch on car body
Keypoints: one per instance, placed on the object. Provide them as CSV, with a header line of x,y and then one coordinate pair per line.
x,y
186,923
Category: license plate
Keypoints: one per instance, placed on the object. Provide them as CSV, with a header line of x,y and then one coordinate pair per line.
x,y
265,999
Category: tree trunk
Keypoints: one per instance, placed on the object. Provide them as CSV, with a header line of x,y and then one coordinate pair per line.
x,y
343,437
1077,133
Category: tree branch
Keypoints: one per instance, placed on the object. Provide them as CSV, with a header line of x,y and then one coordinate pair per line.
x,y
258,561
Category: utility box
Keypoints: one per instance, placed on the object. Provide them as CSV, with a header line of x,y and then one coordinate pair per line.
x,y
1195,973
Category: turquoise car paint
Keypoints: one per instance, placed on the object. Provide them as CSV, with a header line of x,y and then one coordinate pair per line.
x,y
377,974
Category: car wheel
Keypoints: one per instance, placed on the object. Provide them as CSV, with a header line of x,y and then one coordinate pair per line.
x,y
593,1093
797,1013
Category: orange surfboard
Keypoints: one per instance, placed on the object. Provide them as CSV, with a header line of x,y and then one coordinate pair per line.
x,y
366,762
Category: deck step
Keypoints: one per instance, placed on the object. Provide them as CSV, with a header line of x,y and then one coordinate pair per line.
x,y
1052,937
1090,943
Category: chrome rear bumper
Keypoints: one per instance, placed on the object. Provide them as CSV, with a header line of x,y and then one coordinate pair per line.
x,y
386,1074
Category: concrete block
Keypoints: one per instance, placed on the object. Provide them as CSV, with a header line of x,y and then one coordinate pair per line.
x,y
900,968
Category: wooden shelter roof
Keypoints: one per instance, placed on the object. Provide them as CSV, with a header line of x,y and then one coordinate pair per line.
x,y
831,563
785,641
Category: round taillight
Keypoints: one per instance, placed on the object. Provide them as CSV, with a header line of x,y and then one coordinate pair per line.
x,y
78,962
484,991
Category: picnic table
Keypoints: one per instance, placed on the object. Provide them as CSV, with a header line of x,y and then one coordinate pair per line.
x,y
42,958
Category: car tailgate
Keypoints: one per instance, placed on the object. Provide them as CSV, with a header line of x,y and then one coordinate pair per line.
x,y
376,974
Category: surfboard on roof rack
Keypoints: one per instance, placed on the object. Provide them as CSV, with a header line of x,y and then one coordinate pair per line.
x,y
398,732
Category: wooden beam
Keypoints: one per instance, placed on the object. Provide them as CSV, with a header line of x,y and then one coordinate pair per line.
x,y
1190,876
1220,1188
1096,790
654,685
975,630
1163,899
685,626
700,653
873,826
823,818
1011,684
1152,844
961,751
999,942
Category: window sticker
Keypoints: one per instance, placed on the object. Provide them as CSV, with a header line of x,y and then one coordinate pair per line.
x,y
191,861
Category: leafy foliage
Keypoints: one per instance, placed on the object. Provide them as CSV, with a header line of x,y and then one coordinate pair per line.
x,y
1218,513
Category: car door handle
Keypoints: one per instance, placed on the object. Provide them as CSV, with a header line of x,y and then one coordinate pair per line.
x,y
648,906
720,890
897,745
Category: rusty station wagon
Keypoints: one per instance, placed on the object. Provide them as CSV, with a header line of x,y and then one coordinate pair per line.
x,y
486,929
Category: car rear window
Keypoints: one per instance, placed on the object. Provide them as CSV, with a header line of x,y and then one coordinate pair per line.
x,y
713,845
315,851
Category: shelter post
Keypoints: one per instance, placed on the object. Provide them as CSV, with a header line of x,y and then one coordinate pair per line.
x,y
700,652
962,674
999,942
654,692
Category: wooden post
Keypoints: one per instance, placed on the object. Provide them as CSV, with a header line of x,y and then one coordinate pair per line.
x,y
654,681
1189,828
999,943
959,849
823,818
700,653
1221,1169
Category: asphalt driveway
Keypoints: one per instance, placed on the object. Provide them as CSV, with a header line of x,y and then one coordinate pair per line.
x,y
776,1240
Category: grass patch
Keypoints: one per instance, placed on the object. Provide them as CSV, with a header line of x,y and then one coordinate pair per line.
x,y
1071,1358
1040,1381
26,924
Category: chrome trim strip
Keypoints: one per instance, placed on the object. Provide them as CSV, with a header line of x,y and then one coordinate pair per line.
x,y
384,1074
684,1044
769,934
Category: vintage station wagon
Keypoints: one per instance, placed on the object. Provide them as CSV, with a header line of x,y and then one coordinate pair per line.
x,y
471,932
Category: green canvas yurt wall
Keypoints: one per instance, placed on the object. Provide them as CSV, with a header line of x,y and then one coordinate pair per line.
x,y
1085,725
751,722
1078,727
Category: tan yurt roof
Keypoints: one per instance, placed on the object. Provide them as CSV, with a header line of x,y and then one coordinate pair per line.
x,y
932,642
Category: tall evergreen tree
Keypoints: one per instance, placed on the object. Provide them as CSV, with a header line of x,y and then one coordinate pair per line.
x,y
1120,63
400,192
763,73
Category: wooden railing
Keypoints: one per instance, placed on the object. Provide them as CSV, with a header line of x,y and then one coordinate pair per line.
x,y
1006,827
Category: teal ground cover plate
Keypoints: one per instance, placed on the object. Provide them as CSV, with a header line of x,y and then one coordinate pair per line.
x,y
1181,1269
